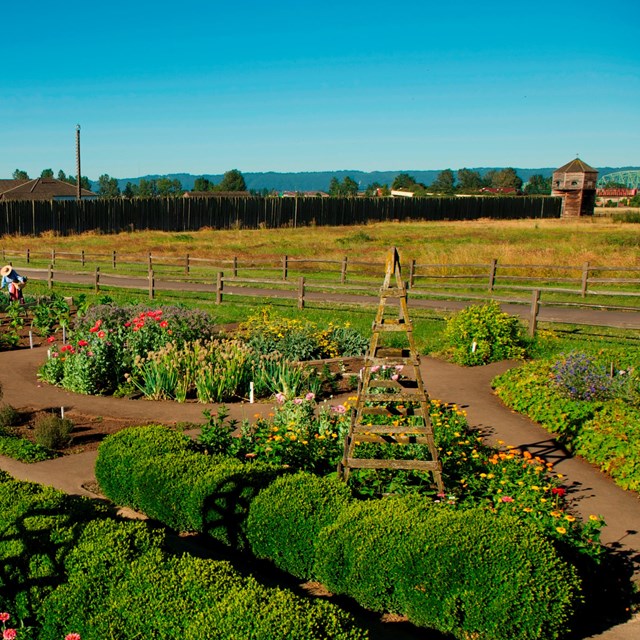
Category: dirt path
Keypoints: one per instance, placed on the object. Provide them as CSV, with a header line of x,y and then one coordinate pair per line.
x,y
469,388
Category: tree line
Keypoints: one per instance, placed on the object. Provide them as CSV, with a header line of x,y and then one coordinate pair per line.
x,y
448,182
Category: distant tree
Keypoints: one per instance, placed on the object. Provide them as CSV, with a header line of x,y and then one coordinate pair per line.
x,y
335,188
108,187
46,173
62,176
128,191
506,179
487,178
615,185
147,188
469,180
202,184
376,188
168,187
232,181
85,183
444,183
19,174
349,187
538,184
403,181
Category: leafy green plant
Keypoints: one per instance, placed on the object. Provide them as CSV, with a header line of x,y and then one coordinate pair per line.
x,y
9,417
24,450
481,334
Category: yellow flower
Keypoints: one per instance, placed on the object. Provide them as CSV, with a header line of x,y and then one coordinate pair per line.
x,y
594,518
555,514
561,530
569,518
527,509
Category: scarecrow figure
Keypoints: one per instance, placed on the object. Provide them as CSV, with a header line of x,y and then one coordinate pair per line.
x,y
15,282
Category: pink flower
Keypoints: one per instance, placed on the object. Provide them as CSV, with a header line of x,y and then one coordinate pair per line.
x,y
506,499
310,396
9,634
339,408
72,636
4,617
395,376
375,368
298,401
280,397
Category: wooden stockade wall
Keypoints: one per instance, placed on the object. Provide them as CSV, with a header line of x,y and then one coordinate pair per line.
x,y
192,214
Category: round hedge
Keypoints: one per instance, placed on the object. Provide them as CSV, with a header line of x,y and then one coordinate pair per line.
x,y
471,573
286,517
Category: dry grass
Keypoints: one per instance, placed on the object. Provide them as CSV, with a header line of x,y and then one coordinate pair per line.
x,y
599,240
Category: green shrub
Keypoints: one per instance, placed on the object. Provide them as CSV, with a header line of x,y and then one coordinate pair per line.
x,y
120,452
139,592
528,389
286,517
52,431
478,575
471,573
38,526
611,440
24,450
481,334
9,417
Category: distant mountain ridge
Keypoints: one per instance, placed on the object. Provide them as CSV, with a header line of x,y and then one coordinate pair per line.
x,y
319,180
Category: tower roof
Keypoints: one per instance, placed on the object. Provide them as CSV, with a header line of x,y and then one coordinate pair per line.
x,y
576,166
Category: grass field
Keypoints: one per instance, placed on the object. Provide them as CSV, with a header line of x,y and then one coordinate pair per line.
x,y
600,240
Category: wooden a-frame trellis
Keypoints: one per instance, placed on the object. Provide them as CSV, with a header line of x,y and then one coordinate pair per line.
x,y
391,385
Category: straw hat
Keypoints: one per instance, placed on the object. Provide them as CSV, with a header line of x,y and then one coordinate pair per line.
x,y
6,270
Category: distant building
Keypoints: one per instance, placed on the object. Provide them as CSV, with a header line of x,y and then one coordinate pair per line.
x,y
503,191
42,189
576,183
616,195
401,193
216,194
304,194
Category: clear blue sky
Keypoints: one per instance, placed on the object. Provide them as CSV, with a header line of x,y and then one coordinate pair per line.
x,y
204,87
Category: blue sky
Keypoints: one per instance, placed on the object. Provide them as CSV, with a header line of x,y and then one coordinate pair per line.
x,y
201,88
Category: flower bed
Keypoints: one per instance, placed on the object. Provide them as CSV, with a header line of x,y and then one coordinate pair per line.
x,y
593,413
168,353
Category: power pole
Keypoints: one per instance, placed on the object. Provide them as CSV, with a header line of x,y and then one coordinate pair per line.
x,y
78,178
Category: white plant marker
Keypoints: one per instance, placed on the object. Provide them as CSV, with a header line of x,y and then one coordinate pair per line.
x,y
474,346
62,412
251,392
30,339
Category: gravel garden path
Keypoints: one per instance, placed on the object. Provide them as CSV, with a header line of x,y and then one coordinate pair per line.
x,y
468,388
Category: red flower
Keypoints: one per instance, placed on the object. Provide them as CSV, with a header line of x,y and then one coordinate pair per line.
x,y
82,343
101,334
4,617
127,324
164,323
9,634
51,339
506,499
558,491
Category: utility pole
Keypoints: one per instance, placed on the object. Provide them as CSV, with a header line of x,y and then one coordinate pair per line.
x,y
78,175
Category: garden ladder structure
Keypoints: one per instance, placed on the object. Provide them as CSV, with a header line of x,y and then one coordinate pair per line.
x,y
391,386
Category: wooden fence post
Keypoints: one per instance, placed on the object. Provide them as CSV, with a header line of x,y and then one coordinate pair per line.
x,y
585,279
53,256
285,267
301,292
412,273
149,262
492,274
186,265
235,266
113,258
28,256
535,307
151,284
82,257
343,270
50,277
219,285
97,280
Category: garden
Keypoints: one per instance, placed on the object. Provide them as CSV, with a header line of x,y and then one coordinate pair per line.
x,y
266,491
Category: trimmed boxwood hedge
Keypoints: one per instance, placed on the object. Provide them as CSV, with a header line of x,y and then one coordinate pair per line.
x,y
471,573
158,472
122,585
285,519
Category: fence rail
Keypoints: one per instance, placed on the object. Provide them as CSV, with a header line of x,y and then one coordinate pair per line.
x,y
349,281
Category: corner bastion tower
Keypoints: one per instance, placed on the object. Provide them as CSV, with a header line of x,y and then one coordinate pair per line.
x,y
576,183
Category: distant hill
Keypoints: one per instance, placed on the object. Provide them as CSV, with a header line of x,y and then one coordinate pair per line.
x,y
319,180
